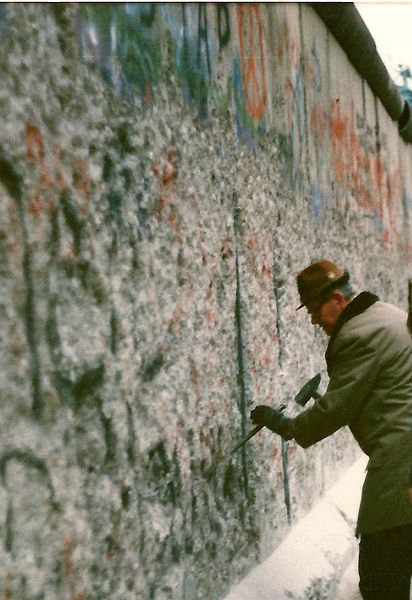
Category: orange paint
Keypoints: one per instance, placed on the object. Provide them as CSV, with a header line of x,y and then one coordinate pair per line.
x,y
173,219
35,153
67,559
362,171
51,176
338,122
210,317
175,320
59,171
265,360
148,93
195,378
266,271
252,56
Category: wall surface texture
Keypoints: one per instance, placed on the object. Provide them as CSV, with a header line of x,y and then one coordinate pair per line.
x,y
165,171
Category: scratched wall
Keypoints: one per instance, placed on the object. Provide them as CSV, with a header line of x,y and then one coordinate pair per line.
x,y
165,170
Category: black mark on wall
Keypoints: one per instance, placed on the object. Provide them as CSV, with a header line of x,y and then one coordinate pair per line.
x,y
241,373
229,483
148,17
87,384
83,388
108,167
192,69
109,437
165,473
72,216
202,32
223,24
131,436
88,275
114,200
13,183
31,461
278,284
125,496
11,180
123,139
152,368
114,331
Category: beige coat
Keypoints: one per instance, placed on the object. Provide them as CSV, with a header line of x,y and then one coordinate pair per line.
x,y
370,390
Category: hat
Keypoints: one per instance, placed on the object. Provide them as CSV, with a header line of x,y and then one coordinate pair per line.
x,y
318,278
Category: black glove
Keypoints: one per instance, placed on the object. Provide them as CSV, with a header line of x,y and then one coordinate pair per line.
x,y
273,419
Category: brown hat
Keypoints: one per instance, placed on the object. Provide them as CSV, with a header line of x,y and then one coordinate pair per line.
x,y
318,278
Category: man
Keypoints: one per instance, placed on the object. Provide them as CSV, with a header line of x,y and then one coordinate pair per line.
x,y
369,362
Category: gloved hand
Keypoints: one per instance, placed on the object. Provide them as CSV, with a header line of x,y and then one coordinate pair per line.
x,y
273,419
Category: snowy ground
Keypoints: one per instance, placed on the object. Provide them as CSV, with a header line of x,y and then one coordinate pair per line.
x,y
348,586
316,550
311,558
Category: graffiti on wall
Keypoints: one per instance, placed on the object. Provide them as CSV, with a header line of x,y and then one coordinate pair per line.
x,y
122,40
252,58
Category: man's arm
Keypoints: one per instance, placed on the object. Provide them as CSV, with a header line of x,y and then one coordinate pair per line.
x,y
356,367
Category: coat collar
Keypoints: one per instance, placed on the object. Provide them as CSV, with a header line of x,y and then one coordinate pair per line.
x,y
356,307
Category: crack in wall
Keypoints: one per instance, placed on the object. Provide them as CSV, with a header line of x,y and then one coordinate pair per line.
x,y
277,287
241,375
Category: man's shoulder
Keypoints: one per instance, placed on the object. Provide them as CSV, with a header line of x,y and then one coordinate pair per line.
x,y
384,311
379,317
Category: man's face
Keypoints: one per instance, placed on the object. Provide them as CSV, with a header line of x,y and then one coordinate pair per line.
x,y
325,313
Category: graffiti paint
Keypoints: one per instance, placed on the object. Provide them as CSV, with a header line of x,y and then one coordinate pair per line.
x,y
223,24
252,58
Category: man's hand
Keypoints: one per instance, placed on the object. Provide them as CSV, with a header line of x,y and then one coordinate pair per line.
x,y
273,419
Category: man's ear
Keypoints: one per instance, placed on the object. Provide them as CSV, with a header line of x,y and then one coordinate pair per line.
x,y
339,297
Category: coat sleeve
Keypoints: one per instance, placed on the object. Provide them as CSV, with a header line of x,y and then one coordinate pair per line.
x,y
354,371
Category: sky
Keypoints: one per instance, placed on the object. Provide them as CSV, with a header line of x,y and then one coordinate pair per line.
x,y
390,24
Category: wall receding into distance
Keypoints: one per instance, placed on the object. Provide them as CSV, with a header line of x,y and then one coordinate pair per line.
x,y
165,171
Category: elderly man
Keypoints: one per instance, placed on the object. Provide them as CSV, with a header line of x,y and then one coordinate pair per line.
x,y
369,362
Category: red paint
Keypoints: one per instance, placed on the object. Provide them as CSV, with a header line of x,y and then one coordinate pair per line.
x,y
148,93
175,320
81,184
51,178
265,360
210,317
195,378
173,219
59,172
35,153
266,271
252,58
375,188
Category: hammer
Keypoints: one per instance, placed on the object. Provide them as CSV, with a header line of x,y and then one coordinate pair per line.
x,y
308,391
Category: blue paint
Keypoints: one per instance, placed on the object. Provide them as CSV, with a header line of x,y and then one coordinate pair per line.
x,y
317,202
4,20
297,132
242,118
317,81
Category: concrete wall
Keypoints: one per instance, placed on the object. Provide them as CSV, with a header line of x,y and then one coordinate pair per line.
x,y
165,171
